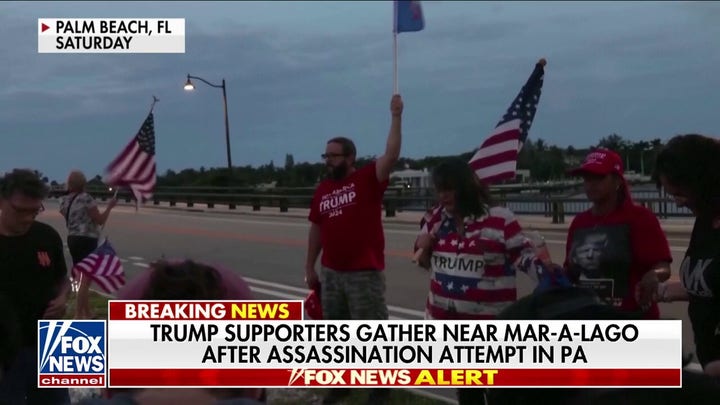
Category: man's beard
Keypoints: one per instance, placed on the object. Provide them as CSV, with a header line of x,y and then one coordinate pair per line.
x,y
337,172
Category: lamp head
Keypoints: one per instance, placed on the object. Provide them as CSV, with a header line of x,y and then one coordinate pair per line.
x,y
189,85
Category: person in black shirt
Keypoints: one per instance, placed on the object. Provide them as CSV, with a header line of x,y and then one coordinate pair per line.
x,y
562,303
34,279
9,334
688,168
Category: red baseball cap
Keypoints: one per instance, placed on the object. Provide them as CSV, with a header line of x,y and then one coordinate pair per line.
x,y
600,161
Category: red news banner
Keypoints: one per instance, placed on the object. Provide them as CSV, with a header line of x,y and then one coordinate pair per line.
x,y
268,344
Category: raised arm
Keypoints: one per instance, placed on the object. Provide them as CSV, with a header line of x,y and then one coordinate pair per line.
x,y
385,163
101,218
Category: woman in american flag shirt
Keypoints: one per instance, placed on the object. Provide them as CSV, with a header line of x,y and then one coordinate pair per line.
x,y
473,249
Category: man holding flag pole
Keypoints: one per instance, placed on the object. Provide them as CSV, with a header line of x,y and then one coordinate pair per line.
x,y
346,221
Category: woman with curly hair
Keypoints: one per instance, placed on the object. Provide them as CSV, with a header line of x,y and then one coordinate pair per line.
x,y
688,169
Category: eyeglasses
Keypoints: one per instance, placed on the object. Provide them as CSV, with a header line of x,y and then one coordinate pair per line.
x,y
332,155
28,211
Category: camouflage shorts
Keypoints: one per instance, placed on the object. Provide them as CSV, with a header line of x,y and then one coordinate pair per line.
x,y
357,295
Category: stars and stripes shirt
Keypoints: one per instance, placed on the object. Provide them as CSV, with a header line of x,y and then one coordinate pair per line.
x,y
473,275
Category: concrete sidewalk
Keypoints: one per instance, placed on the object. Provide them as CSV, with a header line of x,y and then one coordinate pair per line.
x,y
674,226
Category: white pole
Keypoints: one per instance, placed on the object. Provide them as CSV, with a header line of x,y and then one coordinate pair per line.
x,y
114,196
395,49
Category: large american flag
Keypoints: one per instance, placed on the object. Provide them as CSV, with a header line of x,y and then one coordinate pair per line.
x,y
496,159
103,267
135,166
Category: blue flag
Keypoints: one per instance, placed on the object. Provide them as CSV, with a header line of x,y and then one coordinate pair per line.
x,y
408,16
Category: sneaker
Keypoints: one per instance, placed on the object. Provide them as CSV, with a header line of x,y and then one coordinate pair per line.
x,y
336,395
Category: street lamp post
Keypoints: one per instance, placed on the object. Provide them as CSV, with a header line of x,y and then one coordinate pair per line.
x,y
642,158
189,86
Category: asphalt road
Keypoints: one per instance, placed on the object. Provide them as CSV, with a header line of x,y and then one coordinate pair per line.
x,y
270,252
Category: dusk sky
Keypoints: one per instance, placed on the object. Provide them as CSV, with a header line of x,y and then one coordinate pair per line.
x,y
299,73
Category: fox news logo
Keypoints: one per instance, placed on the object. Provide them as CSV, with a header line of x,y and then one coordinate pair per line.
x,y
71,353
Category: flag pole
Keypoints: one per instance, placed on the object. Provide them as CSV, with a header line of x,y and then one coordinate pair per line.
x,y
395,48
395,76
152,106
117,189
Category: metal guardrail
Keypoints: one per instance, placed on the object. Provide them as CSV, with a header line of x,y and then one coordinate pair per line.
x,y
540,202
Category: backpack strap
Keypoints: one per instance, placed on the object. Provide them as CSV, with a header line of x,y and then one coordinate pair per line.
x,y
67,213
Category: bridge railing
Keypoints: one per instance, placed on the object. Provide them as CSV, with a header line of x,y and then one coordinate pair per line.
x,y
551,202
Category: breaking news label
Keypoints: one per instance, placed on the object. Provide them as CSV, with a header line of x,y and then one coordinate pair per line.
x,y
111,35
268,344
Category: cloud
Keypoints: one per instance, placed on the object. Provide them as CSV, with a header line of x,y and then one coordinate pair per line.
x,y
315,70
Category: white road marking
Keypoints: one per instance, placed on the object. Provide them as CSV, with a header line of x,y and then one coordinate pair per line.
x,y
277,294
136,258
298,224
411,312
286,296
388,229
302,292
276,285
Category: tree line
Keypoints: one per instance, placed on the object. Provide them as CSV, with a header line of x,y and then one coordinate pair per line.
x,y
545,162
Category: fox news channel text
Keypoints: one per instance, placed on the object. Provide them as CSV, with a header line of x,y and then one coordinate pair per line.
x,y
111,35
71,353
266,344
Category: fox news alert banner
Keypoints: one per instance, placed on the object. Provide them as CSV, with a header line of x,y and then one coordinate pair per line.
x,y
266,344
111,35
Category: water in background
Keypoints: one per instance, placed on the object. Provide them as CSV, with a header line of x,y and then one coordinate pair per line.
x,y
641,193
533,204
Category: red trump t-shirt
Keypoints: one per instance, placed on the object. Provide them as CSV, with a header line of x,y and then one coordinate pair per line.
x,y
349,214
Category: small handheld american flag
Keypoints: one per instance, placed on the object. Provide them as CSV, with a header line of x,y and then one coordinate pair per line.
x,y
103,267
496,159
